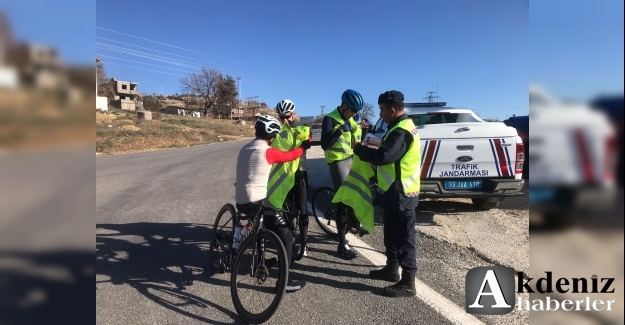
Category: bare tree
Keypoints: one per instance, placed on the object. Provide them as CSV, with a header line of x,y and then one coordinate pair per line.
x,y
203,86
367,111
106,87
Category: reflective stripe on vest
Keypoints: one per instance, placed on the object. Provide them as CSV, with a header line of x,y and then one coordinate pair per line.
x,y
282,175
356,193
342,149
410,164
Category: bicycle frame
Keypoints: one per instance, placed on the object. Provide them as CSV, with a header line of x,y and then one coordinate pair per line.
x,y
258,224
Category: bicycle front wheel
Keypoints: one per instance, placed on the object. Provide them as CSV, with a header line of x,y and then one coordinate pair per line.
x,y
259,277
325,211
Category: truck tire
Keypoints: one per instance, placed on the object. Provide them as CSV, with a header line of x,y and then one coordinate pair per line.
x,y
558,220
484,203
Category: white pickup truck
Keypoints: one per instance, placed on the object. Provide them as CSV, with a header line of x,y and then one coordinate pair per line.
x,y
463,156
573,154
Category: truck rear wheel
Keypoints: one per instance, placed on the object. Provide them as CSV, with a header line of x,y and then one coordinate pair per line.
x,y
485,203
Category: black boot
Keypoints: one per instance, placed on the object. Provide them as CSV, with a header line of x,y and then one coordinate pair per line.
x,y
404,288
388,273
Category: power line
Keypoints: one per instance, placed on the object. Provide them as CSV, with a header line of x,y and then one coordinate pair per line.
x,y
145,55
182,48
129,66
182,56
172,62
154,65
174,46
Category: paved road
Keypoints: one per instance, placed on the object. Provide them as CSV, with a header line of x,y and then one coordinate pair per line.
x,y
154,212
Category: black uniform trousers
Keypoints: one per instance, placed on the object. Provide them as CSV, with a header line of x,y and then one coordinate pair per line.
x,y
400,239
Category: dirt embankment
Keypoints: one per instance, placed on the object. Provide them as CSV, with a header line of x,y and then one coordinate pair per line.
x,y
122,132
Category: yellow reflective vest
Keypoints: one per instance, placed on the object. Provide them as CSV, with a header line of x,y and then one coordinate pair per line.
x,y
410,164
342,149
282,175
356,193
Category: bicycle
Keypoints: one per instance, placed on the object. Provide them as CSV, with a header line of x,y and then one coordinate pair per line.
x,y
325,213
257,242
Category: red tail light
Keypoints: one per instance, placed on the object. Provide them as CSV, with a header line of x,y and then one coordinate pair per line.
x,y
584,156
611,154
520,158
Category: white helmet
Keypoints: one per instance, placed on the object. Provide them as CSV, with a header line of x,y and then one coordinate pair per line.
x,y
285,107
267,127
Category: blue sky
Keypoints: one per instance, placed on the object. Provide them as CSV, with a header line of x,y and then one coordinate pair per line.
x,y
576,48
481,54
478,53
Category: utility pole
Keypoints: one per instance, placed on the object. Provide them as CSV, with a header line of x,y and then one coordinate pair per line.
x,y
161,82
256,105
239,106
322,111
97,60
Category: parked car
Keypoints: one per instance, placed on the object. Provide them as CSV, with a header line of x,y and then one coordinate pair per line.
x,y
316,133
522,126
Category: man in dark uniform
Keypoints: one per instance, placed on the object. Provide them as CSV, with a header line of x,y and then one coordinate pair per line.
x,y
398,167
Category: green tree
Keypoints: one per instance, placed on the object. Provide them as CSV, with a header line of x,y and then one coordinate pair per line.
x,y
151,103
226,94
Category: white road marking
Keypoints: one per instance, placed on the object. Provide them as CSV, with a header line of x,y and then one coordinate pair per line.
x,y
442,305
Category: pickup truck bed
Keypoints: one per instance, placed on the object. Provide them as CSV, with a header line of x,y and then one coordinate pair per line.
x,y
464,156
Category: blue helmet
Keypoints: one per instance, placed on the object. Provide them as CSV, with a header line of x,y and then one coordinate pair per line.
x,y
353,99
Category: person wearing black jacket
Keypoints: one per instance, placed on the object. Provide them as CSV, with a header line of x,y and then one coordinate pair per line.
x,y
399,208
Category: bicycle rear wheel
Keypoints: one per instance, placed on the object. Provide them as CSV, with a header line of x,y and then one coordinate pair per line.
x,y
221,241
259,277
324,210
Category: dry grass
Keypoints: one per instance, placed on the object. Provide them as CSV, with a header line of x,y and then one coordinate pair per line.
x,y
37,120
122,132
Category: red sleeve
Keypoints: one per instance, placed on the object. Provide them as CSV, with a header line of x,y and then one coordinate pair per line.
x,y
274,155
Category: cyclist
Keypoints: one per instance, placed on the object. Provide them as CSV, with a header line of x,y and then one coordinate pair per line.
x,y
339,134
252,175
290,180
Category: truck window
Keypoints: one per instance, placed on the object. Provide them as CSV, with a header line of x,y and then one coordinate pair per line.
x,y
316,126
442,118
380,126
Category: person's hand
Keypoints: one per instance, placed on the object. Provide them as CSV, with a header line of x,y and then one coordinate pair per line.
x,y
306,145
371,143
363,124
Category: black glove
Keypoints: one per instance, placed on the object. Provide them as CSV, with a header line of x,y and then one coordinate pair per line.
x,y
306,145
346,127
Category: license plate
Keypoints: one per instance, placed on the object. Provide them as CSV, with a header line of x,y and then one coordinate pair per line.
x,y
541,195
462,185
